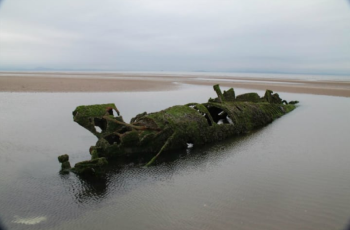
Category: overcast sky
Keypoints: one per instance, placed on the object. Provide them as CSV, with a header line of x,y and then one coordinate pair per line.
x,y
300,36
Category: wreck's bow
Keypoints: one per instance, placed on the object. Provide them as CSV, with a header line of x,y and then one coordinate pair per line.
x,y
173,128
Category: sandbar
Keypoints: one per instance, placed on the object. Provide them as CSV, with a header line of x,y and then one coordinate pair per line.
x,y
118,82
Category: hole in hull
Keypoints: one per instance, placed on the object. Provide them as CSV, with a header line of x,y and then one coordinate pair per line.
x,y
203,114
123,130
221,113
229,120
98,129
101,123
112,138
219,116
189,145
112,112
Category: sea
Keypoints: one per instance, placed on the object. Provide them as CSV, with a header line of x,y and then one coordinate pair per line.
x,y
195,75
292,174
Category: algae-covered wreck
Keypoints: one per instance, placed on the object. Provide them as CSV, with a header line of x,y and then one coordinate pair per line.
x,y
176,127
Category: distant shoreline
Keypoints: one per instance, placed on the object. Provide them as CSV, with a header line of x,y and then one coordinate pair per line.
x,y
133,82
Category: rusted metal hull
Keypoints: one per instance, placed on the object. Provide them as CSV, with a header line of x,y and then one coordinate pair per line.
x,y
176,127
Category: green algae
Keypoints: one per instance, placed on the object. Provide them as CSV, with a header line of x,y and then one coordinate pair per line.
x,y
63,158
229,95
174,127
91,167
251,97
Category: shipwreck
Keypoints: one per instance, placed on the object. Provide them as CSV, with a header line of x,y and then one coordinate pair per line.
x,y
177,127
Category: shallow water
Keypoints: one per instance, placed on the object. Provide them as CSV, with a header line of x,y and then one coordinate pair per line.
x,y
292,174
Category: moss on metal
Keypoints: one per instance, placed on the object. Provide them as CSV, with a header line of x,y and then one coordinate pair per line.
x,y
174,127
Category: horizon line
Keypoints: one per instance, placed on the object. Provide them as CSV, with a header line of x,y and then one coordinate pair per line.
x,y
171,71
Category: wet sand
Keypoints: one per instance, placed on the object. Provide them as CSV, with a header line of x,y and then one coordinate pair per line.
x,y
118,82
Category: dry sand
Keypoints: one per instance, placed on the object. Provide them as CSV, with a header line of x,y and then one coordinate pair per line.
x,y
113,82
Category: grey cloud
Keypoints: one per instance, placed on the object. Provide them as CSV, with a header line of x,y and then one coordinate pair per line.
x,y
179,35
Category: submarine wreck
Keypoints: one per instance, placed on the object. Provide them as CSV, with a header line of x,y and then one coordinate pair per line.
x,y
177,127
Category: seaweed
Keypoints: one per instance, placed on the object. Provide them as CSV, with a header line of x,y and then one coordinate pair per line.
x,y
176,127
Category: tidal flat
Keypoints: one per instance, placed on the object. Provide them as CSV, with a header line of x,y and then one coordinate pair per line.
x,y
291,174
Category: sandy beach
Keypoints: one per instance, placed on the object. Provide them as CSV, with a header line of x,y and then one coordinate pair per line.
x,y
118,82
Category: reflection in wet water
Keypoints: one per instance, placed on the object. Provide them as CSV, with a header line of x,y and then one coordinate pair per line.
x,y
87,190
119,175
292,174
